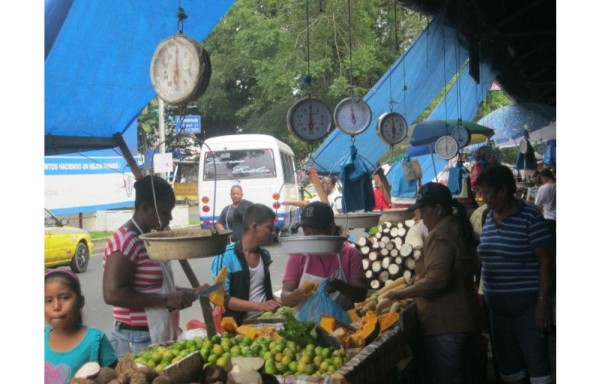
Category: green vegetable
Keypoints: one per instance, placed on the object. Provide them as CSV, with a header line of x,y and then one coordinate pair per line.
x,y
300,332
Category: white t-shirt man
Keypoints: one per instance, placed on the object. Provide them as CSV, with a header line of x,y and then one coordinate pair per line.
x,y
545,198
257,285
335,200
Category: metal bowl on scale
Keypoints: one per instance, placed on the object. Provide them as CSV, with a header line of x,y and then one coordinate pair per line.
x,y
396,215
352,220
186,243
317,244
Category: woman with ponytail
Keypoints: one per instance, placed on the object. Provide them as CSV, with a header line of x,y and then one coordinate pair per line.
x,y
444,290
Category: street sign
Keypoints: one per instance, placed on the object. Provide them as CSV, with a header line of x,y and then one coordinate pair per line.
x,y
189,124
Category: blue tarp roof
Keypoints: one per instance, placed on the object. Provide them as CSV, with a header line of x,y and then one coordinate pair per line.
x,y
97,67
426,67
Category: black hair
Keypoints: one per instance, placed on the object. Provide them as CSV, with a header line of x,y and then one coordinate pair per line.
x,y
457,209
546,172
151,187
498,176
257,213
68,279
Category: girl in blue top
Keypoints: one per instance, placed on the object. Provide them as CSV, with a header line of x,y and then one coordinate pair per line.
x,y
68,343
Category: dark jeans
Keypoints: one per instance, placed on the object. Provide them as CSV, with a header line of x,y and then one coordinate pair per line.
x,y
448,358
520,351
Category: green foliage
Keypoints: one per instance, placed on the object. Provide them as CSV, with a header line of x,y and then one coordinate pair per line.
x,y
259,53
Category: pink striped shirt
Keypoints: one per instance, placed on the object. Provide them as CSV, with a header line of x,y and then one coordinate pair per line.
x,y
148,276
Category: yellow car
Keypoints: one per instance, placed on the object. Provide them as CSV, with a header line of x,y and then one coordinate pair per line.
x,y
65,245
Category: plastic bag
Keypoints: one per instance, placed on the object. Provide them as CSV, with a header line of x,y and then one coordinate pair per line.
x,y
320,303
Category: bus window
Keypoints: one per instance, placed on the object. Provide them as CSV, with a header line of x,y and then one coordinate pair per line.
x,y
240,164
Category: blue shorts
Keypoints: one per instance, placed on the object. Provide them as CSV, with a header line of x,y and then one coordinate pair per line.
x,y
127,340
518,348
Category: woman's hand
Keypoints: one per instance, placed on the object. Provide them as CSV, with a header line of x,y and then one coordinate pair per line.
x,y
542,317
396,295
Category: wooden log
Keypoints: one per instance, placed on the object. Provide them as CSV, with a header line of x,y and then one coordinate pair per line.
x,y
394,232
375,284
394,252
366,264
406,250
364,241
394,270
376,266
374,242
389,246
385,262
373,255
383,252
417,254
369,274
378,235
384,239
401,232
365,249
383,276
399,260
381,244
409,263
407,274
398,241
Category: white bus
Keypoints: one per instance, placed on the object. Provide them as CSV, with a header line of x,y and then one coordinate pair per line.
x,y
262,165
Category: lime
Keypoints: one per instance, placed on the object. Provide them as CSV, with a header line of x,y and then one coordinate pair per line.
x,y
150,364
317,360
217,350
310,369
286,359
325,353
305,359
270,369
323,367
246,340
293,366
281,367
225,335
159,368
279,356
267,356
207,343
212,358
235,351
222,361
216,339
331,369
157,357
301,367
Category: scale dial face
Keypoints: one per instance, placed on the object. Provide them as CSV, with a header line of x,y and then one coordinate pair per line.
x,y
446,147
177,69
462,136
523,146
309,119
352,116
392,128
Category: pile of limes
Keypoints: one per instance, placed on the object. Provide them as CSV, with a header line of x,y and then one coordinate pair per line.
x,y
281,357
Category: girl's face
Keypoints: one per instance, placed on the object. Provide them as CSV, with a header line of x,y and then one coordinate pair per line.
x,y
62,306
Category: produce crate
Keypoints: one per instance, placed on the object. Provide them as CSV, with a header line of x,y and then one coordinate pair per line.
x,y
375,362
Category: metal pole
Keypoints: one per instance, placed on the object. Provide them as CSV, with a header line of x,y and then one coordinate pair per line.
x,y
161,129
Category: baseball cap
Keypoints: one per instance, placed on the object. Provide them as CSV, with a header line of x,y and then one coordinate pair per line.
x,y
431,194
317,215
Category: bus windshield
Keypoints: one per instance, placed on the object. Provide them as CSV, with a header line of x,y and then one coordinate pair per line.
x,y
239,164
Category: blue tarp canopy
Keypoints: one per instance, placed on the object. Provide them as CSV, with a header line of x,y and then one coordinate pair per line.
x,y
436,57
97,63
